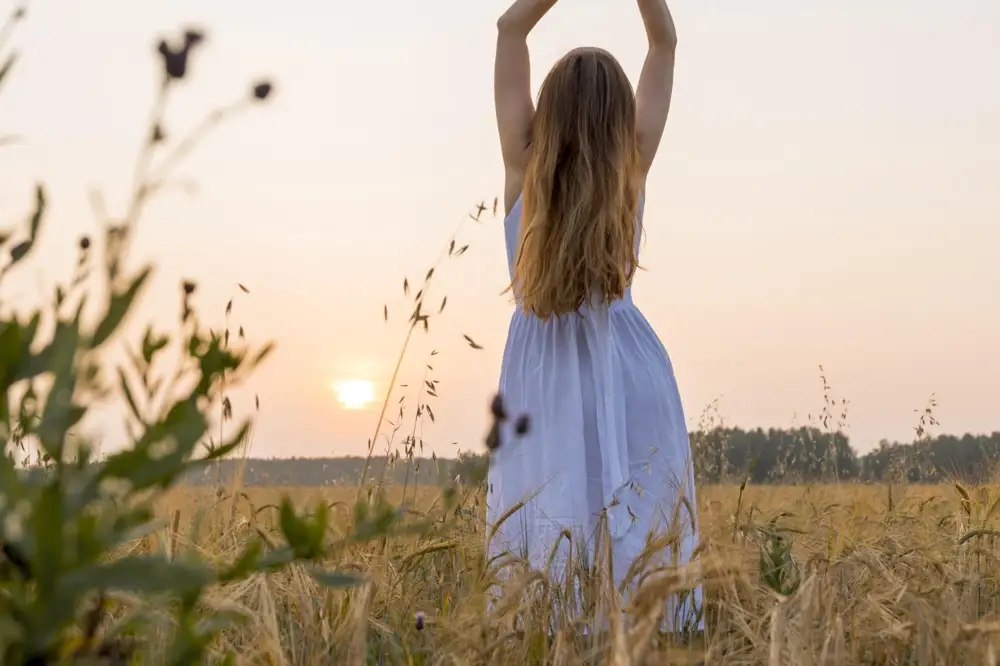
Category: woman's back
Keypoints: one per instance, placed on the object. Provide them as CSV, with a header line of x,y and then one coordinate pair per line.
x,y
512,233
599,389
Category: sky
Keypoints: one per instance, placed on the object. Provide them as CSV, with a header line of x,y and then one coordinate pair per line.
x,y
825,194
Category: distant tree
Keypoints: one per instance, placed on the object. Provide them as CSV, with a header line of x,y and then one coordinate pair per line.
x,y
470,468
799,455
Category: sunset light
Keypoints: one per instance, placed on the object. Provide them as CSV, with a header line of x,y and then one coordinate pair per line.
x,y
354,393
296,340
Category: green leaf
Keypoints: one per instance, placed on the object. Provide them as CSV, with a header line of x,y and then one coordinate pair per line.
x,y
144,528
317,531
29,330
118,308
152,344
127,392
336,579
164,450
229,445
245,564
214,362
10,480
361,509
20,251
31,364
151,575
10,351
47,523
59,413
295,530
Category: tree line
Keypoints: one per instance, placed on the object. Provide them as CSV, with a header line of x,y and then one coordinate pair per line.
x,y
799,455
804,455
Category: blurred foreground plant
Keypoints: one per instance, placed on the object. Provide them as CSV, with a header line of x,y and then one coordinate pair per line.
x,y
63,523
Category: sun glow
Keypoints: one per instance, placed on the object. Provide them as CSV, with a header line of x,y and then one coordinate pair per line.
x,y
354,393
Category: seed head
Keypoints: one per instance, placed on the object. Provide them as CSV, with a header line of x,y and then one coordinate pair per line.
x,y
175,62
497,408
261,90
85,243
522,425
189,287
193,37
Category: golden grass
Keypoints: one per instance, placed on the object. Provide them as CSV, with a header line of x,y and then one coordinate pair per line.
x,y
884,577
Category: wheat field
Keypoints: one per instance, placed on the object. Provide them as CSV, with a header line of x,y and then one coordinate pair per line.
x,y
823,574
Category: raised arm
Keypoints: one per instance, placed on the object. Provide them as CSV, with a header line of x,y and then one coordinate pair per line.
x,y
512,87
656,82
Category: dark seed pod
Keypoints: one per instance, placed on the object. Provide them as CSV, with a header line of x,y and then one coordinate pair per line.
x,y
193,37
262,90
493,437
174,62
522,425
497,408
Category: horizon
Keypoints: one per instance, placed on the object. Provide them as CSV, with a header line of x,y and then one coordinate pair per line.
x,y
823,197
454,456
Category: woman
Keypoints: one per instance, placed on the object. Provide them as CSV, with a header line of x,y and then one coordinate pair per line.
x,y
607,436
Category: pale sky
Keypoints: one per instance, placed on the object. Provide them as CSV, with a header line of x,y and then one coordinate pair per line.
x,y
826,194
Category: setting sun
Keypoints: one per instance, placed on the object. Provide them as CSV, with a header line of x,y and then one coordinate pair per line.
x,y
354,393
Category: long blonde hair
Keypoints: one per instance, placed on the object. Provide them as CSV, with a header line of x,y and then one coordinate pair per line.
x,y
581,189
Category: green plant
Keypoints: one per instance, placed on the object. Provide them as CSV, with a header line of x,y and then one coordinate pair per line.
x,y
63,525
778,570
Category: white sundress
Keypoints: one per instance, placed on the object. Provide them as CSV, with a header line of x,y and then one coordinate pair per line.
x,y
607,430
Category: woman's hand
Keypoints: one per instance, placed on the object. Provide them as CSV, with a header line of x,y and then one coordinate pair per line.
x,y
523,16
660,29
